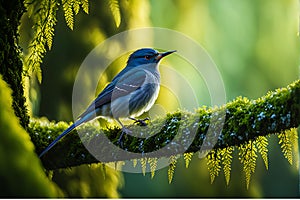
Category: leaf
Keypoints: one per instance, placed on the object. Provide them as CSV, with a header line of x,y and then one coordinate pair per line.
x,y
247,156
172,166
76,7
38,72
45,20
85,6
153,164
144,165
187,158
134,162
294,139
226,162
262,147
115,9
286,145
213,164
68,12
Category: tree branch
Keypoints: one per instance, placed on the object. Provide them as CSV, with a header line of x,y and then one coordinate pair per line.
x,y
233,124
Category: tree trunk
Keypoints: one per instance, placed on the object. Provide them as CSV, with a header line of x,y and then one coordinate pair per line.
x,y
11,66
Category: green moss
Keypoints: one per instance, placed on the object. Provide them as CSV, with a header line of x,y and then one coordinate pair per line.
x,y
10,58
21,172
245,120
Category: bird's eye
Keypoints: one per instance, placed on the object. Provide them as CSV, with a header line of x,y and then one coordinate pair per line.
x,y
147,57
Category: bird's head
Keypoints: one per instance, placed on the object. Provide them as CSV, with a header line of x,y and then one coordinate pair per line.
x,y
146,56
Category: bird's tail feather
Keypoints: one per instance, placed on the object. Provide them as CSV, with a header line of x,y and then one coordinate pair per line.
x,y
89,116
68,130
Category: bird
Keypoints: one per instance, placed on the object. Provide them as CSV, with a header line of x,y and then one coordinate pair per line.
x,y
131,92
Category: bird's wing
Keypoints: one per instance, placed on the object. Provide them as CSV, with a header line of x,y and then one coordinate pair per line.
x,y
124,85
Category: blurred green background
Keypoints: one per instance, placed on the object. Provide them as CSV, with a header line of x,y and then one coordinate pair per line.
x,y
255,46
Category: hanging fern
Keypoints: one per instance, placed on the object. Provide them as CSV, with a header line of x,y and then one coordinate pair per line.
x,y
287,140
262,147
247,156
144,165
134,162
115,9
44,16
172,166
153,164
187,158
68,12
226,162
213,164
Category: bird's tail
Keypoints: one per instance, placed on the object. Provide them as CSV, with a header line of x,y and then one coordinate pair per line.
x,y
77,123
68,130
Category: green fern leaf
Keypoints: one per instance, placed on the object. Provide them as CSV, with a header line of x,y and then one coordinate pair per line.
x,y
134,162
226,162
187,158
294,139
213,163
68,12
286,145
248,156
262,147
76,7
45,20
144,165
85,6
153,164
172,166
115,9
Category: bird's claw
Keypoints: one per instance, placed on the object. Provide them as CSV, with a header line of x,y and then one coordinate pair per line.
x,y
126,131
141,122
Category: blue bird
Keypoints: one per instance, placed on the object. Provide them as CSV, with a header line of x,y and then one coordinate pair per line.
x,y
131,92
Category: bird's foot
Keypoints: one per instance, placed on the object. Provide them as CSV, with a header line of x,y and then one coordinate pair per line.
x,y
140,122
124,130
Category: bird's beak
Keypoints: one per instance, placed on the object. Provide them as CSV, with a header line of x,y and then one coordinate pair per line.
x,y
161,55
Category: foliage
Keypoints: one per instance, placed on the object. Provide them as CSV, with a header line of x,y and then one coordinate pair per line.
x,y
153,164
21,172
187,158
115,9
287,140
44,15
213,164
172,166
94,180
220,156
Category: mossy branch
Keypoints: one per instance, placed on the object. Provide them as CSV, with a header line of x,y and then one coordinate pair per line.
x,y
233,124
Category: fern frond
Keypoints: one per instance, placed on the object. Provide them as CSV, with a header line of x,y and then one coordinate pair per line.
x,y
76,6
187,158
115,9
262,147
153,164
248,156
85,6
144,165
134,162
213,164
294,139
45,20
286,145
68,12
172,166
226,162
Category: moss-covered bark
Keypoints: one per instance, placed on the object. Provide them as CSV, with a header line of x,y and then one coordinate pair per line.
x,y
244,120
10,62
